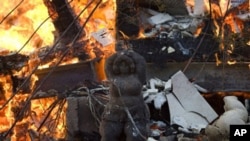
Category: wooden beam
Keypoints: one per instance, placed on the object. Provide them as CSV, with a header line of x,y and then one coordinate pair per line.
x,y
63,18
225,78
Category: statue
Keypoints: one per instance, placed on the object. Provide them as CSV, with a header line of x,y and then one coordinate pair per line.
x,y
125,116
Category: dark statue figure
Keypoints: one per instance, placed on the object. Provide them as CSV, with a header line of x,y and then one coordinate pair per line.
x,y
126,116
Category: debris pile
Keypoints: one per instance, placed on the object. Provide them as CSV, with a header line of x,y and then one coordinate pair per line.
x,y
164,31
190,115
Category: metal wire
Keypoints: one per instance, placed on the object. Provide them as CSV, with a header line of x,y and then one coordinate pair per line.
x,y
50,109
4,18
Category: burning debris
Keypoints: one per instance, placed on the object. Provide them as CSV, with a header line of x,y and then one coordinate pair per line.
x,y
67,28
177,31
60,35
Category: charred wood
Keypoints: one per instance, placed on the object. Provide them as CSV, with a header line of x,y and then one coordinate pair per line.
x,y
63,16
23,130
48,54
156,51
173,7
162,49
11,62
127,22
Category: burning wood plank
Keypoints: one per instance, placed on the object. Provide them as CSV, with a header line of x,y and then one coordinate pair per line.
x,y
12,61
64,20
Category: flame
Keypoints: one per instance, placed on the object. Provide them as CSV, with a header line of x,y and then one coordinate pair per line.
x,y
15,31
6,83
218,62
103,17
223,15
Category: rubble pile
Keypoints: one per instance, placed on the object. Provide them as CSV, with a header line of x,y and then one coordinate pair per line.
x,y
190,116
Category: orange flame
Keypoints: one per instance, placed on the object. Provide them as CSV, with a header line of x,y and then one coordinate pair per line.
x,y
15,31
103,17
22,23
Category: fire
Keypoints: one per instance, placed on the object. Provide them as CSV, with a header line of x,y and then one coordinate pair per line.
x,y
22,23
5,81
224,15
25,27
103,19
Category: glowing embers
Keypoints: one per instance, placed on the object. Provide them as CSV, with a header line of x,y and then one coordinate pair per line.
x,y
6,88
26,116
48,117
